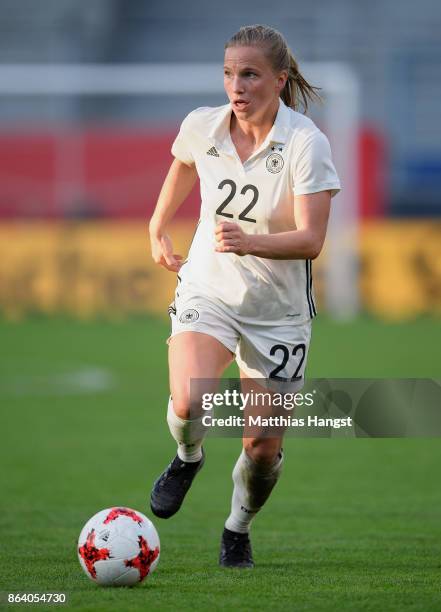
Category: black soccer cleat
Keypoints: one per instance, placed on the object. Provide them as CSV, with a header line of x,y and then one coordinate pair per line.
x,y
235,550
171,487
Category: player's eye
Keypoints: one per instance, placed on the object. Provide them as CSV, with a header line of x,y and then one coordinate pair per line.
x,y
250,73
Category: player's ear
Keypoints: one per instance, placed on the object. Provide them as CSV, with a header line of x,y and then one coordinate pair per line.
x,y
281,80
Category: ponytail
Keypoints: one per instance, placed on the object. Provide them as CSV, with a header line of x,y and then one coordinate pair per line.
x,y
297,92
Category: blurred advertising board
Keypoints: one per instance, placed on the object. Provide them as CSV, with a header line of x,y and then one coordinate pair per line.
x,y
94,268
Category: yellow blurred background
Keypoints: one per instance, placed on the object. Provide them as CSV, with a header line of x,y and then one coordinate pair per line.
x,y
96,268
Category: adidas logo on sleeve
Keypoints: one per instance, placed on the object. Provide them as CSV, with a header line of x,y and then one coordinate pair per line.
x,y
213,152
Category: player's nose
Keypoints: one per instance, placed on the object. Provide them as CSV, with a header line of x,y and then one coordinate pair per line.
x,y
238,85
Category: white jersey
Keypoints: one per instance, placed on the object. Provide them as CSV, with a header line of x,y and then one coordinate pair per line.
x,y
294,159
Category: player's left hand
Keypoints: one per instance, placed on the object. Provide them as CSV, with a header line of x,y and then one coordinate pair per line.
x,y
230,238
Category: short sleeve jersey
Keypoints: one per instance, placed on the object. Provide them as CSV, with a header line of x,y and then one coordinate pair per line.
x,y
294,159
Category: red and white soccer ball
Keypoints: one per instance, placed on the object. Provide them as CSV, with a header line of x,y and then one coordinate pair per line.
x,y
118,547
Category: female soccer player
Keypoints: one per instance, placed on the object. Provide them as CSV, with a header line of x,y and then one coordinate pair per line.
x,y
245,290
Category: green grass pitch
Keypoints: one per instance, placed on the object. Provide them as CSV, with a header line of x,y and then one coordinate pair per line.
x,y
352,524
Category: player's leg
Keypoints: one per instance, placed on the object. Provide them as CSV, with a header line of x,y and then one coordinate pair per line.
x,y
255,474
273,354
192,355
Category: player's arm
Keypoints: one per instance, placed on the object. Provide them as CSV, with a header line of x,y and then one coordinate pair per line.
x,y
311,213
179,182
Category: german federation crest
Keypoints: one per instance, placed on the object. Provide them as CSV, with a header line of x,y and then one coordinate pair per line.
x,y
274,163
189,316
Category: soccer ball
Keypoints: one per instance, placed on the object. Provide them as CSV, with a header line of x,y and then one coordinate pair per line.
x,y
118,547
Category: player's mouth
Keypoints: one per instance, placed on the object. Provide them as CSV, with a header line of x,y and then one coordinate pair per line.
x,y
240,104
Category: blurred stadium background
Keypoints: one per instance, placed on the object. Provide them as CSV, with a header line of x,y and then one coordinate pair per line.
x,y
91,97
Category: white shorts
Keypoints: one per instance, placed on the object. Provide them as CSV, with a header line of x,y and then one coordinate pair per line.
x,y
275,352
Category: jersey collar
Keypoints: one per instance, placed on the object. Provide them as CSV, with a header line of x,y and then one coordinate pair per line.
x,y
220,132
282,124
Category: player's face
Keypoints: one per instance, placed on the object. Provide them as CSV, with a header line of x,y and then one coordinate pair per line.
x,y
250,82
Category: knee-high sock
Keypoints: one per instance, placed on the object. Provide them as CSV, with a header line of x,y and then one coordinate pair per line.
x,y
252,487
188,433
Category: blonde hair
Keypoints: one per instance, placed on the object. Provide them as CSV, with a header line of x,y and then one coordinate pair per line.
x,y
297,91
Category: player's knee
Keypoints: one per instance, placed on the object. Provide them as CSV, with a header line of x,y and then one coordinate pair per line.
x,y
186,407
263,451
182,406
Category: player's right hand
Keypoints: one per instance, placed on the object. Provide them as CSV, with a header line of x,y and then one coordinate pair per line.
x,y
162,253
